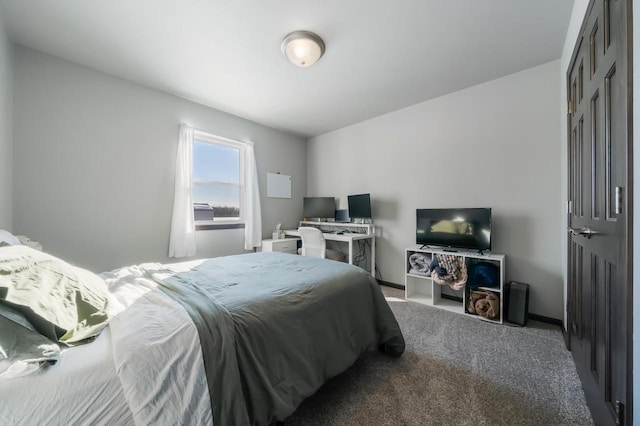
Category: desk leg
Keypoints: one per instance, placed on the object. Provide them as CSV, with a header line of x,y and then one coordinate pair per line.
x,y
350,252
373,256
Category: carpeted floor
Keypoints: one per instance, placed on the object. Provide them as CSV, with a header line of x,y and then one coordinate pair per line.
x,y
456,370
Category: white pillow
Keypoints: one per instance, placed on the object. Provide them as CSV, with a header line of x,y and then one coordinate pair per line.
x,y
9,238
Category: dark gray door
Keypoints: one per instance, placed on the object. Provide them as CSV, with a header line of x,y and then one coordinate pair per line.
x,y
599,250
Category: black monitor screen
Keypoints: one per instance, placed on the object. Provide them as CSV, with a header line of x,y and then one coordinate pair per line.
x,y
360,206
319,207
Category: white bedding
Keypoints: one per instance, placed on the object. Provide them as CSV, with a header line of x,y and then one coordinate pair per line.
x,y
168,384
82,388
145,368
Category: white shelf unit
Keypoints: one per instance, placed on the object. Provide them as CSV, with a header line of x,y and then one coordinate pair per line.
x,y
423,289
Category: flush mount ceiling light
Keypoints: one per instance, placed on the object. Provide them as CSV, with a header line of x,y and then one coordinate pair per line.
x,y
303,48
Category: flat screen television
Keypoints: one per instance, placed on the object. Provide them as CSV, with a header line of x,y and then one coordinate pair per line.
x,y
359,206
320,208
456,228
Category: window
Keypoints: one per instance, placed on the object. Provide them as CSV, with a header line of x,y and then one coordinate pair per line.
x,y
217,182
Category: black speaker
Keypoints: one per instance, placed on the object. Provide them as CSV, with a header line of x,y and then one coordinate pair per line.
x,y
517,299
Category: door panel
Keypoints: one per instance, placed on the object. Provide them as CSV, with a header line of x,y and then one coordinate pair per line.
x,y
599,289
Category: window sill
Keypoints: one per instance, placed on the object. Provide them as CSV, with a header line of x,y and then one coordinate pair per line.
x,y
208,226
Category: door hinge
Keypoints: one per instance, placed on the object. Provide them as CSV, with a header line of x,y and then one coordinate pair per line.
x,y
618,200
569,109
569,207
619,413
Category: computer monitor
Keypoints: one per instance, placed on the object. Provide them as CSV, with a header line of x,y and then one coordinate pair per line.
x,y
359,206
342,216
321,208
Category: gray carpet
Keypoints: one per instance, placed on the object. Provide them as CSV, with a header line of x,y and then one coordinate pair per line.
x,y
457,370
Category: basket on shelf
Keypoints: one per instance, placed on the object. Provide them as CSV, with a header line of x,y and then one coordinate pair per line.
x,y
484,303
448,269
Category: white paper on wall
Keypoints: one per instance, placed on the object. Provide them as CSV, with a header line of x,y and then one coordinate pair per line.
x,y
278,185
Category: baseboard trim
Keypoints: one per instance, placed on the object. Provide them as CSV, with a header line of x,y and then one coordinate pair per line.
x,y
389,284
567,338
548,320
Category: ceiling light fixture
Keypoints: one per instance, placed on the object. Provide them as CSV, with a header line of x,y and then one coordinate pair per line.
x,y
303,48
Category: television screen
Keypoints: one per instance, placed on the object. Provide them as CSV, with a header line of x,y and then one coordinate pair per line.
x,y
459,228
319,207
359,206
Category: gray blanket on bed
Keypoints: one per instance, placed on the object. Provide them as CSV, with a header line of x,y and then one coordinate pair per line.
x,y
274,327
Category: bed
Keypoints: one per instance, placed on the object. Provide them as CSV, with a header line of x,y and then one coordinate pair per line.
x,y
232,340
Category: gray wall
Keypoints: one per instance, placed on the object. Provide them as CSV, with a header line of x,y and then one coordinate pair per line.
x,y
95,159
6,145
492,145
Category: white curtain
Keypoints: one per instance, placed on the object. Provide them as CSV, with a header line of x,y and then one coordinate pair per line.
x,y
251,201
182,241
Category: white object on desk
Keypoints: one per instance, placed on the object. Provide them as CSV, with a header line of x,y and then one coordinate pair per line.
x,y
284,245
26,241
278,234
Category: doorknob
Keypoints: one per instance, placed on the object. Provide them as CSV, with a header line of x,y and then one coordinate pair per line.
x,y
584,231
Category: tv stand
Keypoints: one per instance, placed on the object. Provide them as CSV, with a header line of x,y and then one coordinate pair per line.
x,y
422,288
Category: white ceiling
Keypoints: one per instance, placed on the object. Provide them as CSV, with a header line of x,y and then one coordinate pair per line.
x,y
382,55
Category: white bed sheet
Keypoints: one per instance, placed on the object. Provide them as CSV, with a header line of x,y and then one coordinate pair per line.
x,y
145,368
156,350
82,388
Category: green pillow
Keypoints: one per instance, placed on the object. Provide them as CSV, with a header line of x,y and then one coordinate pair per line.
x,y
23,351
63,302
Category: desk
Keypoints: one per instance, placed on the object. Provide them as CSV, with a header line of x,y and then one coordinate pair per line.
x,y
283,245
347,238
